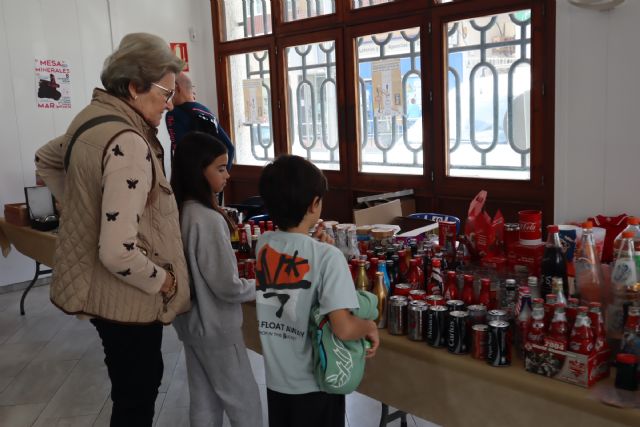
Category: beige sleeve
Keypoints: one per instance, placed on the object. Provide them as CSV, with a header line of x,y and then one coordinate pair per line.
x,y
50,166
127,180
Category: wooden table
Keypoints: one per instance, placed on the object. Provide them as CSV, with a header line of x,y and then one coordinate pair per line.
x,y
453,390
38,245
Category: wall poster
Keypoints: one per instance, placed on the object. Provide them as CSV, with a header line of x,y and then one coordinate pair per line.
x,y
53,84
253,102
387,88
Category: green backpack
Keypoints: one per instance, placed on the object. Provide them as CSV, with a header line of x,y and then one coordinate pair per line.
x,y
338,366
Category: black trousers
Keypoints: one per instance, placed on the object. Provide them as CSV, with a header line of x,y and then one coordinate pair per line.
x,y
316,409
133,357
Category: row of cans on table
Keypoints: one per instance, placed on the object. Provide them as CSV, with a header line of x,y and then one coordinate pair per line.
x,y
452,325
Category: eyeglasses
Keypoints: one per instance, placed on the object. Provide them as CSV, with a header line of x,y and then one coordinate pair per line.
x,y
168,94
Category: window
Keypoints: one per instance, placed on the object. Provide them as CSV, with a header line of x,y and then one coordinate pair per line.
x,y
443,96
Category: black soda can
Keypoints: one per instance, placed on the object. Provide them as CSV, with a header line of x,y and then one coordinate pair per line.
x,y
455,305
477,314
457,335
499,343
496,315
436,327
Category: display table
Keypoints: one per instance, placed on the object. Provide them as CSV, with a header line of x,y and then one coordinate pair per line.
x,y
38,245
453,390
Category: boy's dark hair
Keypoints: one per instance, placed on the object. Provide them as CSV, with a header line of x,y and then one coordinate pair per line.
x,y
194,153
288,186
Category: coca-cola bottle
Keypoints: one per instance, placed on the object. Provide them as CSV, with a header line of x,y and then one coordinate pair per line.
x,y
581,340
549,308
523,321
597,325
485,293
451,286
624,285
534,287
373,269
537,328
589,279
244,249
631,336
435,284
572,311
559,329
467,290
554,263
415,277
632,225
557,288
510,297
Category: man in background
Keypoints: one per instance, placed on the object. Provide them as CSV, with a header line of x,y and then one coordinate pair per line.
x,y
189,115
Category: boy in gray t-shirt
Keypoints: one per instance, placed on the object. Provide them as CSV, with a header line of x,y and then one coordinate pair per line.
x,y
295,271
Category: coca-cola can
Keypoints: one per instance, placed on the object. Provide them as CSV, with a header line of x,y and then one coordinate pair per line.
x,y
417,295
455,305
435,300
457,335
477,314
402,289
447,234
479,334
397,319
498,344
496,315
511,235
530,222
242,268
417,320
436,327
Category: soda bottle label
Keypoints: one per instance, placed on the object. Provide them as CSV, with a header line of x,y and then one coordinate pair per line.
x,y
624,273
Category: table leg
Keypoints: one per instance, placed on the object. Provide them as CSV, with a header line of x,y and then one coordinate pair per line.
x,y
386,417
33,281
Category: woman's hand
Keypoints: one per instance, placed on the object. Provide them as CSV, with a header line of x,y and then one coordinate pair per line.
x,y
374,339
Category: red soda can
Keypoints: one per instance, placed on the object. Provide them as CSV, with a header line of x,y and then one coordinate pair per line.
x,y
479,334
417,295
447,239
242,268
511,236
250,269
499,343
477,314
402,289
435,300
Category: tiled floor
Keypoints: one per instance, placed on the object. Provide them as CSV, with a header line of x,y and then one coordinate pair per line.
x,y
52,373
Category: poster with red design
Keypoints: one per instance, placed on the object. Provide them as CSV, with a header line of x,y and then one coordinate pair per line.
x,y
180,50
53,84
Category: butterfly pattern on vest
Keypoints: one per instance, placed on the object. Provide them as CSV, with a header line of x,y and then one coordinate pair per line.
x,y
111,216
154,274
117,151
125,273
132,183
129,246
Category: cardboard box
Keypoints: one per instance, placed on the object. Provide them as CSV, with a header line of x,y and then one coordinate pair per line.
x,y
380,214
567,366
17,214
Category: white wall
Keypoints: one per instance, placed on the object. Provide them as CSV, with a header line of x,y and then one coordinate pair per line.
x,y
82,33
597,115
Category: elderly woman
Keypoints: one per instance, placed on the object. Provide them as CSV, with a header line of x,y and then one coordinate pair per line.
x,y
119,257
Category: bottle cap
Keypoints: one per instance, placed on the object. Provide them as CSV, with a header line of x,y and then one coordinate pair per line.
x,y
633,220
587,224
628,234
552,229
626,358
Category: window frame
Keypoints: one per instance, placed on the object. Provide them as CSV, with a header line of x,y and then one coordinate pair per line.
x,y
433,187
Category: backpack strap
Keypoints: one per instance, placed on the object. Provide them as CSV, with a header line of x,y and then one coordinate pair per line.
x,y
86,126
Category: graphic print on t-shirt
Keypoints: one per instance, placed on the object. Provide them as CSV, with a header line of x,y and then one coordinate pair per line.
x,y
276,271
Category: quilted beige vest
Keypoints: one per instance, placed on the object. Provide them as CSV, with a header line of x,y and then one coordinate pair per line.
x,y
81,284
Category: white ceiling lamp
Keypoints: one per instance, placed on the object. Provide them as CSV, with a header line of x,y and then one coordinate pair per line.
x,y
601,5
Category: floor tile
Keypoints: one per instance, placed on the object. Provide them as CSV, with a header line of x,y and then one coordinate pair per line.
x,y
37,383
20,415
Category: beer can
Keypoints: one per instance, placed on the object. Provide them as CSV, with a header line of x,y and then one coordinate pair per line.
x,y
402,289
477,314
457,335
455,305
435,300
436,316
397,319
417,295
417,319
498,343
496,315
479,334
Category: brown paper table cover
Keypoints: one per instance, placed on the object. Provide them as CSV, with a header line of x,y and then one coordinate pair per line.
x,y
39,245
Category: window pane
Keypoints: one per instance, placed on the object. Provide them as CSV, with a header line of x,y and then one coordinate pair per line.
x,y
312,103
389,92
295,10
489,85
251,109
357,4
246,18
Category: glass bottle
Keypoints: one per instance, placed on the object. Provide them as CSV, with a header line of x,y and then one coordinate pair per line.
x,y
534,288
380,291
632,225
362,281
537,328
597,325
451,286
559,327
510,297
549,307
589,279
414,275
572,311
581,340
373,269
435,283
382,268
244,250
352,243
554,263
631,337
523,321
467,290
254,244
557,288
624,286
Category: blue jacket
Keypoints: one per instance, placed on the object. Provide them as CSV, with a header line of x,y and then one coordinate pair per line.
x,y
193,116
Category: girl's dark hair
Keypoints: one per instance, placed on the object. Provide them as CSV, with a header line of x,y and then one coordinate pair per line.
x,y
193,154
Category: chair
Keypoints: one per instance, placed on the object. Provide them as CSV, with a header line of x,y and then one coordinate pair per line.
x,y
436,217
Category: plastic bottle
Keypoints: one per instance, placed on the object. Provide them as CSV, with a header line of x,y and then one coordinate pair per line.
x,y
589,279
624,286
632,225
554,263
